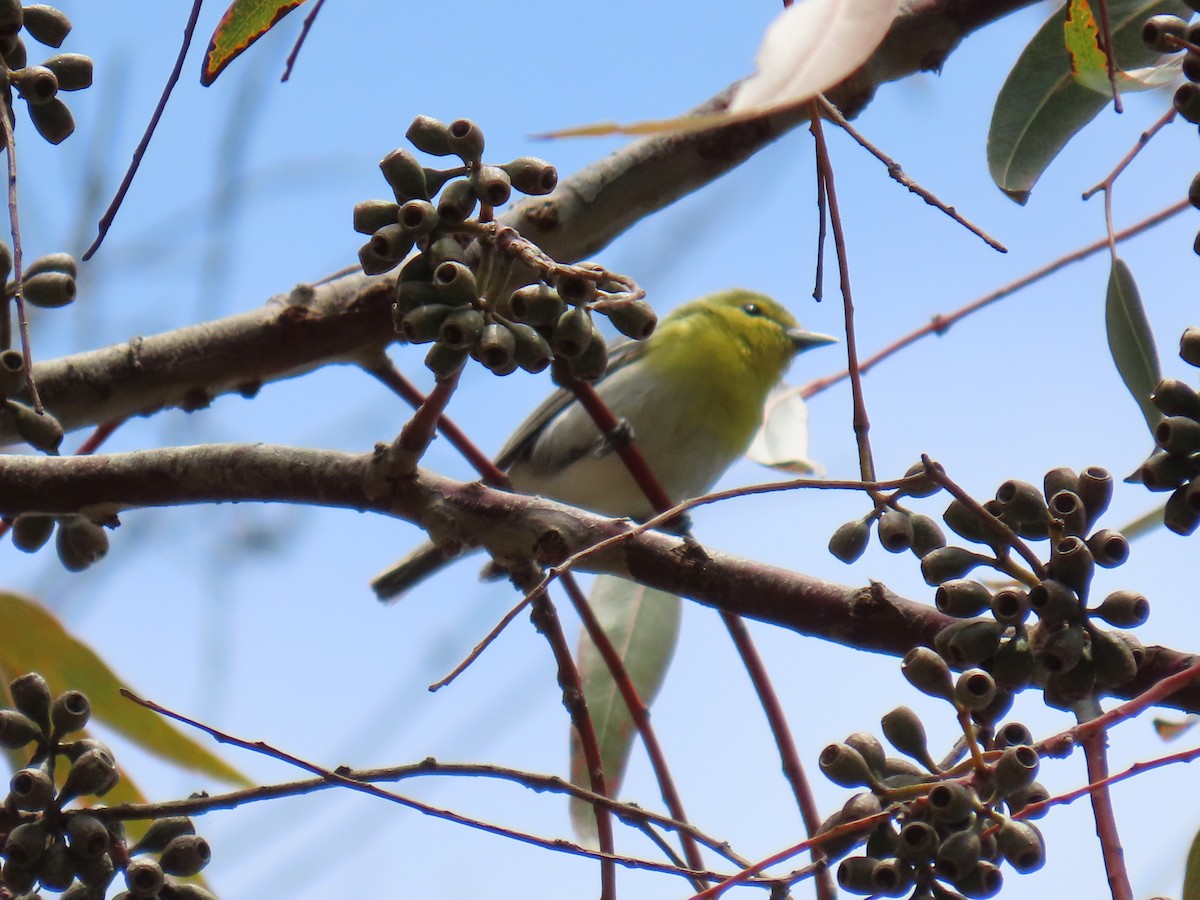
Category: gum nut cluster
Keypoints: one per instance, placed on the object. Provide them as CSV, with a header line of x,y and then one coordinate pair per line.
x,y
898,528
47,846
1175,463
39,86
929,828
441,297
1044,633
1172,34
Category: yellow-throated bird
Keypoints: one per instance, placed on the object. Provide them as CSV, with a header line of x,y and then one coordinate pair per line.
x,y
692,393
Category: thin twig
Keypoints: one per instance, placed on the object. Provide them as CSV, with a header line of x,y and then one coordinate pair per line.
x,y
1096,754
478,649
896,173
10,145
304,30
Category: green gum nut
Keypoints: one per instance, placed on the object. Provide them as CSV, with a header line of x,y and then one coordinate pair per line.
x,y
404,175
974,690
533,353
491,185
11,17
1068,508
1012,664
430,136
444,361
1189,346
56,871
918,842
572,333
12,371
461,329
855,873
1012,734
1178,435
869,748
891,877
895,531
53,262
16,56
1109,548
73,71
94,772
25,844
576,290
371,262
1053,601
998,708
46,24
88,835
144,877
31,696
457,202
1095,489
928,672
969,643
1166,471
1157,32
35,84
161,832
947,563
31,789
904,731
1021,501
1061,650
633,318
923,488
860,806
444,248
964,522
1021,845
592,363
1112,658
1071,563
40,430
70,712
984,881
49,290
1062,478
423,324
1063,690
1010,606
455,283
411,294
1182,512
497,349
849,541
531,175
371,215
185,855
536,304
1124,609
951,801
958,855
465,140
1175,398
53,120
927,535
418,218
1015,770
31,531
845,766
391,243
962,598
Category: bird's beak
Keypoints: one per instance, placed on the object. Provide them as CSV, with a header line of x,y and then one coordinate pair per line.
x,y
806,340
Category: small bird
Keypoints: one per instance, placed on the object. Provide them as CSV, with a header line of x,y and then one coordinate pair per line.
x,y
691,395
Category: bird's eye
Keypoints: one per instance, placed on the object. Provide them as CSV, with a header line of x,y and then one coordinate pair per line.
x,y
752,309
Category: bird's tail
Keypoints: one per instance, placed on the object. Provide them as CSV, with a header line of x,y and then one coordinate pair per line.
x,y
391,585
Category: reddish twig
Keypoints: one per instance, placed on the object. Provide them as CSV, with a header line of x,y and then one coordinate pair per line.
x,y
304,30
1096,754
478,649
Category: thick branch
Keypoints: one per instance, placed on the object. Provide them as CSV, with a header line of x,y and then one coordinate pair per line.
x,y
510,526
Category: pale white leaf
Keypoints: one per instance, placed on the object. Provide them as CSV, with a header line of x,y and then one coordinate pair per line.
x,y
782,439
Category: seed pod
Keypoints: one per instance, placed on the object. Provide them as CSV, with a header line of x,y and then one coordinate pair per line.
x,y
1123,609
98,874
537,304
371,215
444,361
31,696
10,17
404,175
19,881
70,712
855,874
531,175
1012,664
958,854
860,806
927,672
974,690
845,766
1062,478
444,248
46,24
1012,734
1015,770
6,260
1095,489
31,788
184,890
904,731
465,140
94,772
161,832
88,835
850,540
918,842
35,84
411,294
30,531
73,70
461,328
1010,606
1178,435
925,486
1069,509
52,262
1060,651
491,185
1021,501
1021,845
1187,101
371,262
417,218
964,522
80,543
1053,601
1189,344
457,202
869,747
947,563
951,801
895,531
984,881
53,120
592,363
430,136
1112,657
17,729
1175,398
927,535
891,877
969,643
49,290
42,432
572,333
26,843
185,855
576,290
1108,548
391,243
144,877
1071,563
423,324
1157,32
497,349
533,353
962,598
455,282
1181,514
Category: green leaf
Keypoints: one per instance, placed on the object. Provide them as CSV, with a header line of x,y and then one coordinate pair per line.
x,y
1191,873
243,23
1131,341
643,626
65,662
1042,106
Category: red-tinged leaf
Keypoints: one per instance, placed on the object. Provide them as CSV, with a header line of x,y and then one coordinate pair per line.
x,y
35,641
811,46
643,625
1169,729
1131,341
243,23
1081,37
